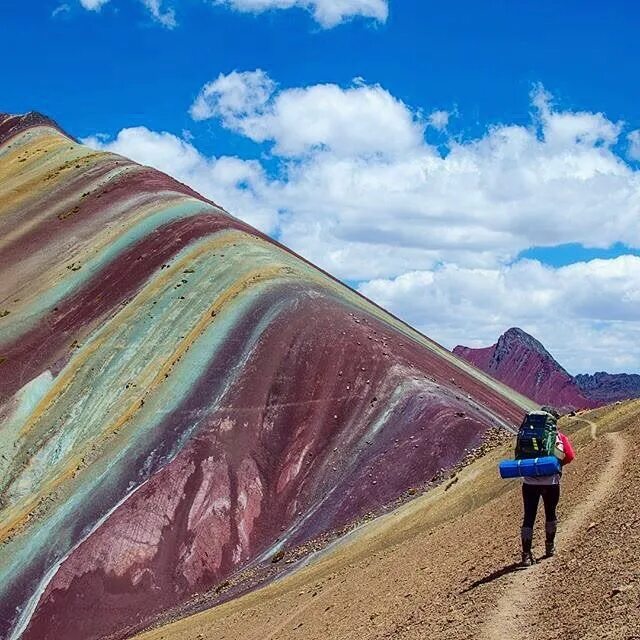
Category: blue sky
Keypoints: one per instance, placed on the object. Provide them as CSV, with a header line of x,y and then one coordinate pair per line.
x,y
117,67
469,165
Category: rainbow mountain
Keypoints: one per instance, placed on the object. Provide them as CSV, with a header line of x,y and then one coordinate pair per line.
x,y
182,398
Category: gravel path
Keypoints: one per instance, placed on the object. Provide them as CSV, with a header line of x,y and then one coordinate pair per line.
x,y
514,618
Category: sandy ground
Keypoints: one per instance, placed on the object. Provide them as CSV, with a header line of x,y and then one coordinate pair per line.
x,y
443,566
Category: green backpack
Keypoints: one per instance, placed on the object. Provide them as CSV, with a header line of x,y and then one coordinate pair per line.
x,y
537,436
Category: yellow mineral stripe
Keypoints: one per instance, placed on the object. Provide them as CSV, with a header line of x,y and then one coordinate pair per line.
x,y
15,518
25,135
32,192
33,286
24,166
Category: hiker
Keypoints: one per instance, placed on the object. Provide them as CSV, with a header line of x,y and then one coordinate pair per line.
x,y
545,487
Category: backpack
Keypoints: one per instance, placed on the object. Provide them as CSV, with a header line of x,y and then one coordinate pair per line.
x,y
537,436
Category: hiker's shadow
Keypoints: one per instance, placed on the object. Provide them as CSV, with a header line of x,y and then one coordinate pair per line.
x,y
510,568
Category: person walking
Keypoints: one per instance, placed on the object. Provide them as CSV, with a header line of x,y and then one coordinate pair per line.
x,y
547,488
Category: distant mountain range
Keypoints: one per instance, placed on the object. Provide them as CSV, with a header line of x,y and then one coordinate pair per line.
x,y
603,387
522,362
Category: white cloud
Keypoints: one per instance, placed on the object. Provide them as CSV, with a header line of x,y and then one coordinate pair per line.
x,y
587,313
360,178
238,185
93,5
165,17
328,13
233,97
439,119
433,235
361,119
60,10
634,144
566,130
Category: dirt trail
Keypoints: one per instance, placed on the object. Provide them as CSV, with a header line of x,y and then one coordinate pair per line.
x,y
512,618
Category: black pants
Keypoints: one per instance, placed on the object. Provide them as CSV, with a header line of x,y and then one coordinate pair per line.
x,y
531,496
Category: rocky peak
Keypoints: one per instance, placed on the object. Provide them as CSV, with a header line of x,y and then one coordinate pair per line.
x,y
522,362
515,338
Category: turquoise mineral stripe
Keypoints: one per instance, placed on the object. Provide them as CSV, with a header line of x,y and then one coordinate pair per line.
x,y
130,348
51,537
21,321
26,401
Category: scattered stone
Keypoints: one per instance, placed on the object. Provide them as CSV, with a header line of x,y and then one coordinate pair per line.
x,y
277,556
621,589
222,586
450,484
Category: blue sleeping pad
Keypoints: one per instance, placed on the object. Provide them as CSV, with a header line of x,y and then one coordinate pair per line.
x,y
530,467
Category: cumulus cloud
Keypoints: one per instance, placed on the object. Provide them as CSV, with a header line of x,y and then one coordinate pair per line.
x,y
572,128
434,234
360,176
328,13
579,311
359,120
233,97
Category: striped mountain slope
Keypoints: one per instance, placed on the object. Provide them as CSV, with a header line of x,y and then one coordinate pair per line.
x,y
180,396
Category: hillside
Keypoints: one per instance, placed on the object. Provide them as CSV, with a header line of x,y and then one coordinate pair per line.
x,y
443,566
522,362
182,399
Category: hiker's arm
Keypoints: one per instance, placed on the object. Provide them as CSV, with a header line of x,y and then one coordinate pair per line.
x,y
569,453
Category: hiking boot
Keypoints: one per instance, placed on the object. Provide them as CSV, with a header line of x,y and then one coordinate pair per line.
x,y
527,559
549,546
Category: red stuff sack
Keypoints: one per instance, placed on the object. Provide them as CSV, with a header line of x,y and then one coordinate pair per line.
x,y
569,453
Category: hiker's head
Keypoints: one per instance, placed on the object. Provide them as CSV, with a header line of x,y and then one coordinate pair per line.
x,y
551,410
